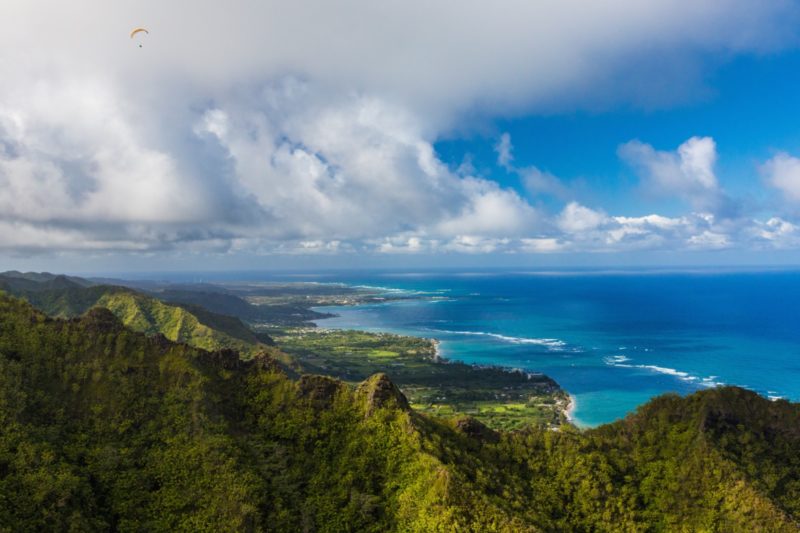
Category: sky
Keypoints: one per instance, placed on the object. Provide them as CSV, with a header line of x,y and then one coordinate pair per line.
x,y
311,134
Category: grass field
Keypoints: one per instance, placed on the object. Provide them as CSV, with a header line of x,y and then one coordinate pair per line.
x,y
499,398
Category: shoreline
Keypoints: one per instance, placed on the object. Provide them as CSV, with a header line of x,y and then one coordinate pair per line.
x,y
437,350
569,412
439,357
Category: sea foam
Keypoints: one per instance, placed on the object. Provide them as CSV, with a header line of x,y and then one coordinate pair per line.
x,y
553,344
622,361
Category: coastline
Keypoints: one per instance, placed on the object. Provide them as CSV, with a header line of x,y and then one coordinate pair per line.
x,y
647,366
437,350
562,407
569,412
438,357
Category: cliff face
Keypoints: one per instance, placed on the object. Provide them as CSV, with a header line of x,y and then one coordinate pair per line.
x,y
103,428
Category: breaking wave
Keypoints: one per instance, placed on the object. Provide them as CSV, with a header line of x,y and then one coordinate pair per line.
x,y
553,344
622,361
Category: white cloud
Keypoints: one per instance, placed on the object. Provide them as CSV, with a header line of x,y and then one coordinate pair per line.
x,y
783,173
709,240
687,172
541,245
698,156
523,55
304,127
357,168
406,244
77,173
576,218
655,221
504,150
475,244
776,233
491,211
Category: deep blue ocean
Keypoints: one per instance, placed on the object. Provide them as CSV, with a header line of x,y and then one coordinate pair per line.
x,y
612,340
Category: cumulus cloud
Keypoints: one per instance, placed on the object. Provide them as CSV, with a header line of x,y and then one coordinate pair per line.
x,y
783,173
576,218
306,128
581,229
71,155
687,173
775,233
357,168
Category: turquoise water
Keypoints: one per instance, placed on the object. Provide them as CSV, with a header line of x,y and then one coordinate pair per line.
x,y
613,341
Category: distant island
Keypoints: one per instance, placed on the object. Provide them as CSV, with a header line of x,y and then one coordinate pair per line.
x,y
188,407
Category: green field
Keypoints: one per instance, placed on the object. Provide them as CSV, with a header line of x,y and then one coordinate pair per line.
x,y
499,398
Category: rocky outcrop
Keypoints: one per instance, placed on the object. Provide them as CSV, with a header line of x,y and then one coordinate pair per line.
x,y
473,428
320,390
378,391
102,320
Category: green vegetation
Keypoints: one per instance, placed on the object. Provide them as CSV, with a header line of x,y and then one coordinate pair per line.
x,y
106,429
269,313
499,398
149,315
277,306
59,296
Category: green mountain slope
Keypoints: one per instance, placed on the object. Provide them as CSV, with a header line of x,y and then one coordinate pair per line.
x,y
149,315
59,296
102,428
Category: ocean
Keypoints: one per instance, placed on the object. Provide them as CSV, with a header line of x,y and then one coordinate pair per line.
x,y
613,340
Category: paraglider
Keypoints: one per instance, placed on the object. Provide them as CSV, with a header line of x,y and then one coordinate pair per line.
x,y
136,31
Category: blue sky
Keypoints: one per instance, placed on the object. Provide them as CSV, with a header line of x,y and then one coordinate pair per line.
x,y
407,134
750,106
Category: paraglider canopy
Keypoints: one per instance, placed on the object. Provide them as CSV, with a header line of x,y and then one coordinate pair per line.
x,y
139,30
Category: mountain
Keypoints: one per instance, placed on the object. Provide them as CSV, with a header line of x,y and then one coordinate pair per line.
x,y
215,301
18,282
194,325
44,277
104,428
65,297
292,308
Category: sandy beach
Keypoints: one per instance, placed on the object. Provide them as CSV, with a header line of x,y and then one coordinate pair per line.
x,y
437,356
571,409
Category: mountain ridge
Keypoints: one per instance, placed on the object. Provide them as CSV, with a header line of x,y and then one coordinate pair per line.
x,y
104,428
63,296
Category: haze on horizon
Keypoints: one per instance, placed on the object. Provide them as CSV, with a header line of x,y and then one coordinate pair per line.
x,y
350,134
